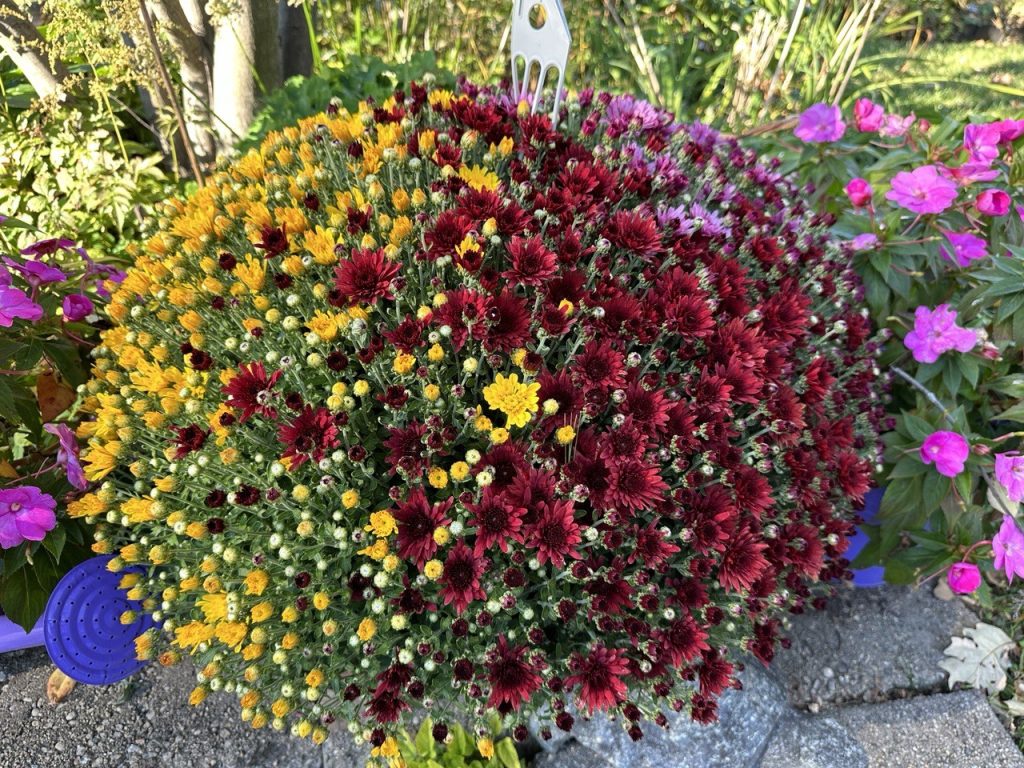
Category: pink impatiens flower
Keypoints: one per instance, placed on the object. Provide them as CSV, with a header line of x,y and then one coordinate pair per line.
x,y
894,126
26,514
922,190
867,115
864,241
948,451
1008,548
1010,474
935,332
982,142
966,248
76,306
859,192
963,578
67,454
820,123
993,202
35,272
14,305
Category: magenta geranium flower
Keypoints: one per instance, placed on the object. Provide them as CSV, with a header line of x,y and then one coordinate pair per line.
x,y
26,514
1008,548
1010,474
963,578
15,304
867,115
993,202
859,192
77,306
948,451
936,332
966,248
67,454
35,272
922,190
820,123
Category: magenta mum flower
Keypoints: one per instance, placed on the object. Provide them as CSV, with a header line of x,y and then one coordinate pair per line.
x,y
820,123
67,454
77,306
948,451
867,115
966,248
26,514
963,578
35,272
15,304
922,190
993,202
935,332
1010,474
859,192
1008,548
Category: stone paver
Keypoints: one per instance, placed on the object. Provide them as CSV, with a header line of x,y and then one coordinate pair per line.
x,y
869,645
944,730
802,741
142,723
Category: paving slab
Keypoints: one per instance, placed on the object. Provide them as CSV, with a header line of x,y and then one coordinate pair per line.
x,y
145,722
943,730
805,741
869,645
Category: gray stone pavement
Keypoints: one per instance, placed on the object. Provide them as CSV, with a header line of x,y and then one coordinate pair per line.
x,y
859,688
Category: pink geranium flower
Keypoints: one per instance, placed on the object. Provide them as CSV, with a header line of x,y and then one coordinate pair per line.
x,y
935,332
26,514
966,248
867,115
859,192
1008,548
948,451
67,454
993,202
820,123
963,578
922,190
1010,474
15,304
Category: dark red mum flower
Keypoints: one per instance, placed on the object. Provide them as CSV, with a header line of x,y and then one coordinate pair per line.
x,y
742,562
512,678
274,241
635,485
461,578
405,448
366,276
190,438
555,533
507,323
531,261
599,674
250,390
495,522
417,519
310,436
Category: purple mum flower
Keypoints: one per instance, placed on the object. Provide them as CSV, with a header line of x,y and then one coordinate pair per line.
x,y
1008,548
935,332
76,307
922,190
67,454
15,304
966,248
820,123
948,451
35,272
26,514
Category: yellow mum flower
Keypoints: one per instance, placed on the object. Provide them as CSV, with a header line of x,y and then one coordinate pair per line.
x,y
460,471
485,747
376,551
367,629
433,569
98,461
255,582
89,505
350,498
231,633
479,178
252,273
382,523
261,612
437,477
404,363
198,696
565,435
214,607
192,634
518,401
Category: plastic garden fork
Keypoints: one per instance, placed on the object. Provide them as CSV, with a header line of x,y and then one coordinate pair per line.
x,y
540,43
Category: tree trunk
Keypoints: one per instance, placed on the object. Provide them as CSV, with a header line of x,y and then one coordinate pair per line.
x,y
296,52
20,41
246,56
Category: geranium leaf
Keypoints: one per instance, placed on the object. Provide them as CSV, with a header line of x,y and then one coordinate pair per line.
x,y
980,658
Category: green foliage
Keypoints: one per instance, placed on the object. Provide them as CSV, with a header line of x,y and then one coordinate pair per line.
x,y
360,79
460,750
68,175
